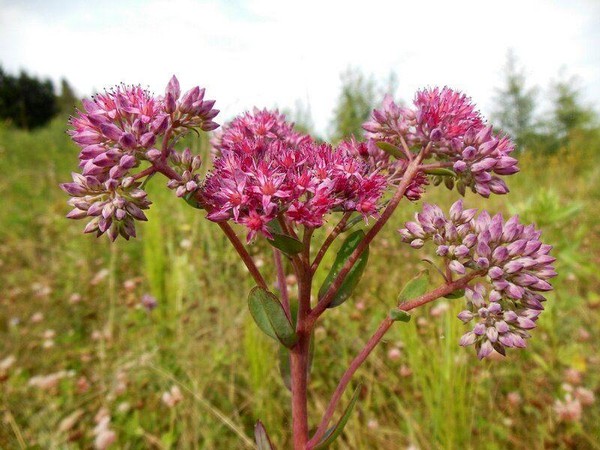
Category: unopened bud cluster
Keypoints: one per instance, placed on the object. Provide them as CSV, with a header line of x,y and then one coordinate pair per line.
x,y
508,254
186,164
117,131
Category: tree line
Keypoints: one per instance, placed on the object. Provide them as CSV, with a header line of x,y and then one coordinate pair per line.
x,y
516,109
30,102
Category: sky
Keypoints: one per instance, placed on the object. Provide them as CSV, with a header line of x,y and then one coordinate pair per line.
x,y
275,52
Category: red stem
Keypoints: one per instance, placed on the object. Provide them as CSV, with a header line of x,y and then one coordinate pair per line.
x,y
372,343
299,355
239,247
148,171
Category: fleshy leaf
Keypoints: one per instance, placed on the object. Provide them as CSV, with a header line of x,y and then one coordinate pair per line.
x,y
353,277
284,367
270,317
190,199
391,149
459,293
333,433
399,316
353,221
287,244
415,287
440,172
262,438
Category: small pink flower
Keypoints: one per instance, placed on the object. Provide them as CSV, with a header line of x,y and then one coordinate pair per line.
x,y
568,410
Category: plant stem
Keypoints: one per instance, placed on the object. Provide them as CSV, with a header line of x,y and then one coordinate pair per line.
x,y
299,364
410,173
148,171
239,247
299,356
374,340
329,240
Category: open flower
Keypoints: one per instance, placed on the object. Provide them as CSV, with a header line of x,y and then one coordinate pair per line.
x,y
264,169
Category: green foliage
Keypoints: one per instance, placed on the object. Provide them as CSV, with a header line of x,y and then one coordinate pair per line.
x,y
67,100
270,317
287,244
568,112
398,315
351,281
415,287
356,101
26,101
515,103
391,149
334,432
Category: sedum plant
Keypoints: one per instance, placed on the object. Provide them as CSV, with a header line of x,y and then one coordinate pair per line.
x,y
281,185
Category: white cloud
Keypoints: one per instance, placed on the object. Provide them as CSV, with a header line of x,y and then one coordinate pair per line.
x,y
268,52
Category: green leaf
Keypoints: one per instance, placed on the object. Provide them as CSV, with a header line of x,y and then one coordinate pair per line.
x,y
262,438
415,287
333,433
275,226
353,221
459,293
270,317
190,199
284,367
399,316
391,149
353,277
287,244
440,172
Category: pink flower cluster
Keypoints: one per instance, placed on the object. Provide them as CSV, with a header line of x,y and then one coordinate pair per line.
x,y
264,168
510,255
447,123
117,131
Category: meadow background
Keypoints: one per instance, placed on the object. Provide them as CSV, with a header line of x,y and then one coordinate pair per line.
x,y
77,345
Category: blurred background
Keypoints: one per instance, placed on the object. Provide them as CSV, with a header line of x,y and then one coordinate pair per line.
x,y
149,343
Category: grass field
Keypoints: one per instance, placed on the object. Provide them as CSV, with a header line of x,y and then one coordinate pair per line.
x,y
76,345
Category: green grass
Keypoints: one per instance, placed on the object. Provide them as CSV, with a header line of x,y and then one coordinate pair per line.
x,y
201,337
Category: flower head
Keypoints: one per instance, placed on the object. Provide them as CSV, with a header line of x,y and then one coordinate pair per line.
x,y
112,206
447,124
117,131
254,131
516,264
265,168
